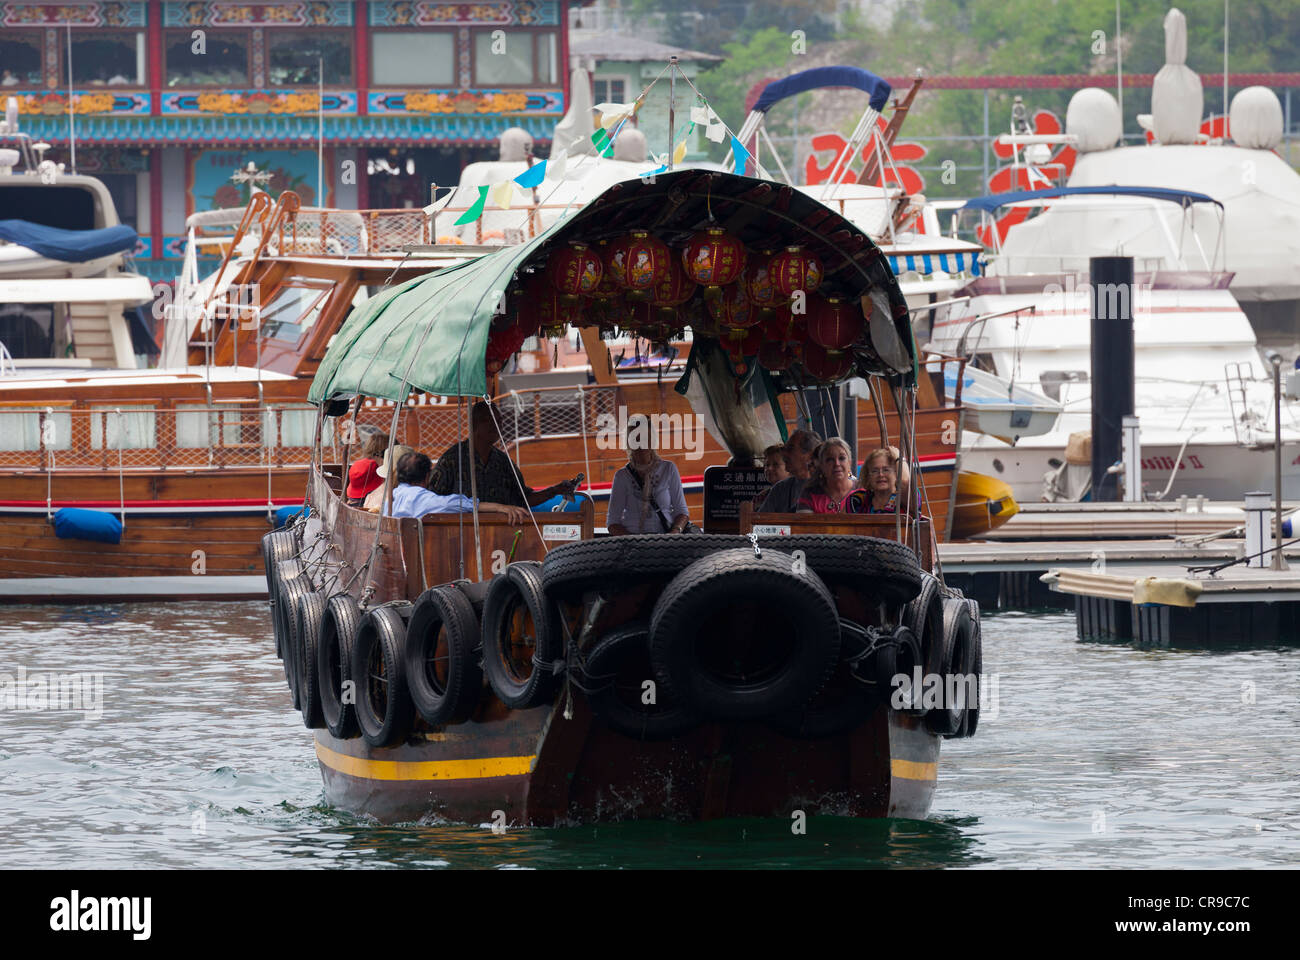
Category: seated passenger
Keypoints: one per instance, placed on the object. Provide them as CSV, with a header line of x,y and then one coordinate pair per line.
x,y
496,477
647,494
885,480
833,482
375,498
411,498
784,496
363,474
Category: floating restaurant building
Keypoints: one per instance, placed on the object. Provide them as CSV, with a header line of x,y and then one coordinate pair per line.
x,y
169,98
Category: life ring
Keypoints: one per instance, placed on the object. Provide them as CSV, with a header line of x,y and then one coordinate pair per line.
x,y
383,708
947,718
615,672
338,635
442,665
740,637
521,636
846,700
310,617
897,656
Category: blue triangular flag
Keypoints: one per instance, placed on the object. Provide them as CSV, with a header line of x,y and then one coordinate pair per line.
x,y
533,176
740,153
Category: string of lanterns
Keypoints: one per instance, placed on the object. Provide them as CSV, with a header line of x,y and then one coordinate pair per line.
x,y
760,305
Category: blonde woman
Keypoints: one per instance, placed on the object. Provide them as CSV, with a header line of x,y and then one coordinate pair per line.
x,y
647,494
833,482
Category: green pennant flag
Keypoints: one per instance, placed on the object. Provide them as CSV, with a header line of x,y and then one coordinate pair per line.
x,y
604,145
476,211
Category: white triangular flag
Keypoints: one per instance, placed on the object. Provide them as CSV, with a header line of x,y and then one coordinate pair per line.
x,y
503,194
556,164
700,115
716,131
612,113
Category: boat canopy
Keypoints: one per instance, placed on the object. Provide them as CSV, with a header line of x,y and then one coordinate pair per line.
x,y
996,200
69,246
431,333
876,88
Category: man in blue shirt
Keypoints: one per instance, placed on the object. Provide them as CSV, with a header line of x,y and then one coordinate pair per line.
x,y
411,498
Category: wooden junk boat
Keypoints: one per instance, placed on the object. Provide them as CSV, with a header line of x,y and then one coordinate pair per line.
x,y
461,667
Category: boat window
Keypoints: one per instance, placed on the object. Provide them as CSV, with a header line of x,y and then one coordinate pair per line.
x,y
294,308
293,57
21,430
222,61
198,426
413,58
20,52
1051,380
27,330
107,59
123,428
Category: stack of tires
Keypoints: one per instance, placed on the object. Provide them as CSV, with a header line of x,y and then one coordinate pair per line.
x,y
728,633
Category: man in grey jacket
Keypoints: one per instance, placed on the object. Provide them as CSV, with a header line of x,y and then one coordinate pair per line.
x,y
784,495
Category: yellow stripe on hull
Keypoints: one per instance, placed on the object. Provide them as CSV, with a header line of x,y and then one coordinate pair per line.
x,y
913,770
477,768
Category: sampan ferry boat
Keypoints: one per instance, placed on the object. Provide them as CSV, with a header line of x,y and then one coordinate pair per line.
x,y
459,666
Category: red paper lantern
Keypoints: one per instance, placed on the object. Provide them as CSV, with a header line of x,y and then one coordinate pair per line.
x,y
608,287
833,323
825,365
792,270
713,258
673,289
774,355
639,262
555,314
502,345
575,271
731,308
757,280
741,344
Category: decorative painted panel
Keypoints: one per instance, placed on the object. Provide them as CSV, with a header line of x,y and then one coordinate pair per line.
x,y
244,102
208,176
294,13
434,13
55,104
465,101
103,13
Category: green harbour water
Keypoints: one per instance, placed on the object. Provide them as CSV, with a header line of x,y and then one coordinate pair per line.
x,y
1093,755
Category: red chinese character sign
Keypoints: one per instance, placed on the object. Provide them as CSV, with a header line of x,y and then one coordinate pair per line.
x,y
827,147
1016,177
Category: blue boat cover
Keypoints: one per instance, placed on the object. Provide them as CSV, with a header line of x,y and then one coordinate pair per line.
x,y
70,246
557,504
995,200
875,87
78,523
285,514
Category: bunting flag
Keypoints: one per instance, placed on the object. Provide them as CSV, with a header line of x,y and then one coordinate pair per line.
x,y
740,153
475,211
533,176
603,143
503,194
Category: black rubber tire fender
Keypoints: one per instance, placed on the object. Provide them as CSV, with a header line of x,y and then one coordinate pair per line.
x,y
338,636
512,669
900,654
977,668
789,615
383,708
617,667
614,563
881,570
278,573
310,614
946,719
442,660
276,546
291,593
923,615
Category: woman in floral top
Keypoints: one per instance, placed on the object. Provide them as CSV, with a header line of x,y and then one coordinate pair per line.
x,y
884,481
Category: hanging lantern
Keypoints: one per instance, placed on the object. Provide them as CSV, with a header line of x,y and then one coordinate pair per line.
x,y
524,303
502,345
825,365
833,323
673,289
574,271
608,287
741,344
639,262
733,309
792,270
780,338
757,282
713,258
555,314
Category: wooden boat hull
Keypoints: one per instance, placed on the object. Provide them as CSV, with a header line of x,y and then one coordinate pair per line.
x,y
539,769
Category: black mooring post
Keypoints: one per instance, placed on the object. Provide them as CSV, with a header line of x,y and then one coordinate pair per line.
x,y
1113,296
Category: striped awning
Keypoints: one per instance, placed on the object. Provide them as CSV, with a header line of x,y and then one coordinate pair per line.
x,y
928,263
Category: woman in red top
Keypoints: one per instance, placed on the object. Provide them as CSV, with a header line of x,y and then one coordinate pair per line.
x,y
362,475
833,481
